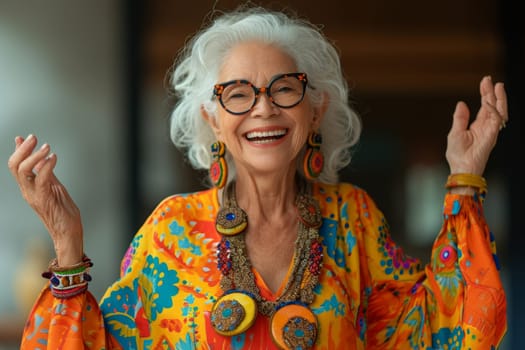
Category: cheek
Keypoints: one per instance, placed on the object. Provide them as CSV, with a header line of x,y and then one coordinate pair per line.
x,y
225,125
300,138
228,130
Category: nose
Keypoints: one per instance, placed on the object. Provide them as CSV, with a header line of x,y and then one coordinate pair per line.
x,y
264,106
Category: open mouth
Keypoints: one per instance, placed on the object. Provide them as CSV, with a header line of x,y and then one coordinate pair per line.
x,y
266,136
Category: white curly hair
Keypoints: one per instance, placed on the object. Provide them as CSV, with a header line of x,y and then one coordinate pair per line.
x,y
197,67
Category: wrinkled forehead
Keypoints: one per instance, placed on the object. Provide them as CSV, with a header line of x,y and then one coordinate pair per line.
x,y
255,61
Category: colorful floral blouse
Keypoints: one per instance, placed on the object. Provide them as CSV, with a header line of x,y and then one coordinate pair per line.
x,y
370,295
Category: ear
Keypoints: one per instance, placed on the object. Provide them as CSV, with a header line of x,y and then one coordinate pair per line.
x,y
319,112
212,122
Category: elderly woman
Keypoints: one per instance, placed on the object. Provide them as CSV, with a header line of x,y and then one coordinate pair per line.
x,y
277,254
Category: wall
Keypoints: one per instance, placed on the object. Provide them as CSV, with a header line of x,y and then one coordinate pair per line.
x,y
60,79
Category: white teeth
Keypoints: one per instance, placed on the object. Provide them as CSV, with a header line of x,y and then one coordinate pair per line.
x,y
262,141
265,134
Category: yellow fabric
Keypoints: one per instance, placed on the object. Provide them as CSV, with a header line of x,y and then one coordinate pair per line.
x,y
371,295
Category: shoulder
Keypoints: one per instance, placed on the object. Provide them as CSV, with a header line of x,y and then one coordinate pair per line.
x,y
206,195
202,203
339,192
343,197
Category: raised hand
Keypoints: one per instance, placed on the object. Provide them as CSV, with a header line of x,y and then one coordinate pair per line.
x,y
469,146
33,170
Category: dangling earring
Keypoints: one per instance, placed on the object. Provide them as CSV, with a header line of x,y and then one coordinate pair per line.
x,y
219,167
313,158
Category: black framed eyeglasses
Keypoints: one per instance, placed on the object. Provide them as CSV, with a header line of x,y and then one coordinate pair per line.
x,y
239,96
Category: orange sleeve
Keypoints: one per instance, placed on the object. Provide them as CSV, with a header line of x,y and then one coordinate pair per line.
x,y
74,323
456,301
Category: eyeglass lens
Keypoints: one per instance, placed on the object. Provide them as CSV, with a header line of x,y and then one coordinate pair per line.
x,y
240,96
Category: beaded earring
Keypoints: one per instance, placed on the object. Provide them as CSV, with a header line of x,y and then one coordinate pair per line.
x,y
219,167
313,158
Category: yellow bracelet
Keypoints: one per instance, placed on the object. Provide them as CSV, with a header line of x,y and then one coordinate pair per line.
x,y
470,180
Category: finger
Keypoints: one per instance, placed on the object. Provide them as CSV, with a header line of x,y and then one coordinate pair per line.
x,y
486,89
495,118
38,166
18,141
27,166
460,118
501,101
45,167
23,150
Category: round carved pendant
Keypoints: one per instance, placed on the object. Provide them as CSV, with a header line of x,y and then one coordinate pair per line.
x,y
233,313
294,326
309,212
231,221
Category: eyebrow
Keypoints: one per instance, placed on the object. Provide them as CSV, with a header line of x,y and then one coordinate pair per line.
x,y
244,79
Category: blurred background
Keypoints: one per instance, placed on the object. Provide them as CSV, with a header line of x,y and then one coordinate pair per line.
x,y
90,78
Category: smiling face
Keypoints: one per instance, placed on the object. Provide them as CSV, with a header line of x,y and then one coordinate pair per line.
x,y
267,139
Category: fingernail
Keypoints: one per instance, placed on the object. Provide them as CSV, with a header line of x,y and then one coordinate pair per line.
x,y
44,146
51,155
29,137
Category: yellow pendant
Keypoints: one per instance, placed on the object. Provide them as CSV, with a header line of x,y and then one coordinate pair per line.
x,y
233,313
231,221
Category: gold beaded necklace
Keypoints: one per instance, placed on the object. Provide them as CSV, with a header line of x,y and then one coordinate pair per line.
x,y
293,325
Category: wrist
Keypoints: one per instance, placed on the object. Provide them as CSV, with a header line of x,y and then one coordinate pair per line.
x,y
463,190
69,254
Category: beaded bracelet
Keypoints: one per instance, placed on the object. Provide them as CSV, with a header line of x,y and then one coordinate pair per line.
x,y
69,293
85,263
68,281
60,281
470,180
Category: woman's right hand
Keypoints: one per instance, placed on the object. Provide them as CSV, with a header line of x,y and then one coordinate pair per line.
x,y
33,171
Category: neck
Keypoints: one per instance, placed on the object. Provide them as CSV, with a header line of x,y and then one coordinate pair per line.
x,y
266,198
236,257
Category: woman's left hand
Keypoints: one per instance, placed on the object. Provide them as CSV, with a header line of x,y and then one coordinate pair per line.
x,y
469,146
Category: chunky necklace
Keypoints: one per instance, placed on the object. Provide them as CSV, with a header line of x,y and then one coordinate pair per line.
x,y
293,325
